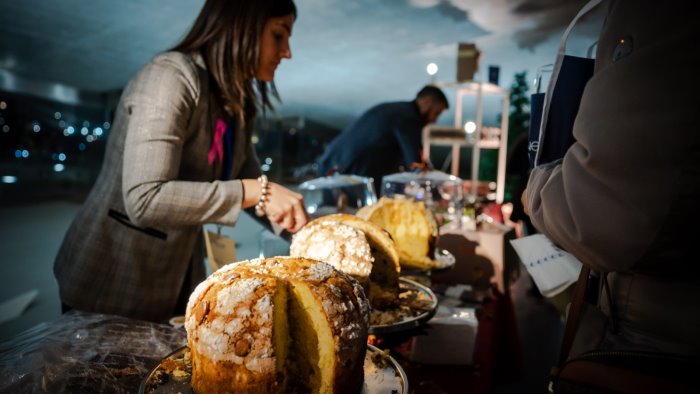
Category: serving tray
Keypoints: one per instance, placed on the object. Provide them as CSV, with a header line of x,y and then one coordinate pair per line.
x,y
173,373
421,302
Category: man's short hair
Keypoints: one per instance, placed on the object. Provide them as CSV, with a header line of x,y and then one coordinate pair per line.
x,y
434,93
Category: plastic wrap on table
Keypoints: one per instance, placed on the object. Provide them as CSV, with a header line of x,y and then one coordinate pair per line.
x,y
82,352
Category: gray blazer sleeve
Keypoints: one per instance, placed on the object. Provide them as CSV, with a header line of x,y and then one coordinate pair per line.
x,y
160,104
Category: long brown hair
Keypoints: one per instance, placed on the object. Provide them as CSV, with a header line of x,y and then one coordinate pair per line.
x,y
227,33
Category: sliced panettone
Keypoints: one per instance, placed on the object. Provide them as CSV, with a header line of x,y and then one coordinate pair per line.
x,y
384,278
277,325
377,236
411,225
357,247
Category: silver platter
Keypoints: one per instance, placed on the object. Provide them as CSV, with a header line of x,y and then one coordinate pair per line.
x,y
445,259
417,319
382,374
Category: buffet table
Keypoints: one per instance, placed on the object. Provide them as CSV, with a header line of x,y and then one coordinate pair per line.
x,y
85,352
494,355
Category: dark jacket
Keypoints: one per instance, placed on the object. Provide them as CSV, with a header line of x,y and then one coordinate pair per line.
x,y
625,198
384,140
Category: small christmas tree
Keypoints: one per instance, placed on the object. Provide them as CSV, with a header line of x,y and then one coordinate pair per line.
x,y
518,124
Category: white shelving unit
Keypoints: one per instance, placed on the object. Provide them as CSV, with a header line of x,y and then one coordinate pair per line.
x,y
482,138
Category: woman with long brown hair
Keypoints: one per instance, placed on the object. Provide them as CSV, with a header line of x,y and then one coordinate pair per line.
x,y
179,156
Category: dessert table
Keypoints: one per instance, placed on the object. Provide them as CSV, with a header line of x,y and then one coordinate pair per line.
x,y
85,352
495,353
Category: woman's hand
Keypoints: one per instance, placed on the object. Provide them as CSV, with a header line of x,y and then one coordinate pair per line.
x,y
285,208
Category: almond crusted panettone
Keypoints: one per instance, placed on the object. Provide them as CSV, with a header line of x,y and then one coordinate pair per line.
x,y
356,247
277,325
411,225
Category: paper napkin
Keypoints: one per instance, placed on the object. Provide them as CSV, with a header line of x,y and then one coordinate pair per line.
x,y
552,269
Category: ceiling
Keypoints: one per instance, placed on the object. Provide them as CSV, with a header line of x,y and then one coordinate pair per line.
x,y
347,54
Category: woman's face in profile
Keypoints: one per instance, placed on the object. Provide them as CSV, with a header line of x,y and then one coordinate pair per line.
x,y
274,46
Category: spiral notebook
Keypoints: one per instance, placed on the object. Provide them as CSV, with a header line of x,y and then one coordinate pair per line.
x,y
551,268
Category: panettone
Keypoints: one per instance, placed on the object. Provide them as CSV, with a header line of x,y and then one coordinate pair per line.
x,y
357,247
411,225
277,325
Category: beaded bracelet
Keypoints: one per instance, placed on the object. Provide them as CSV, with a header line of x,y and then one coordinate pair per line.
x,y
264,191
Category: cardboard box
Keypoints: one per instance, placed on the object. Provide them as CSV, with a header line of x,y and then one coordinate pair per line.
x,y
467,61
484,256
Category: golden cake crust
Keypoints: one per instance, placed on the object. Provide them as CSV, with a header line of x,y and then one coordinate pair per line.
x,y
229,322
374,233
337,244
357,247
415,240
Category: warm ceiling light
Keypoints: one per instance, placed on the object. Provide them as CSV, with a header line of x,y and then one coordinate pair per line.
x,y
432,69
470,127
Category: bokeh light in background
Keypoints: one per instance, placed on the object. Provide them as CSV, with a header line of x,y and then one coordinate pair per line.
x,y
432,69
43,150
470,127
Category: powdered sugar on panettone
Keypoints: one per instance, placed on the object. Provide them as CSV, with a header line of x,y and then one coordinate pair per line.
x,y
233,326
238,317
351,330
336,291
339,245
213,344
362,300
231,296
264,306
319,272
195,298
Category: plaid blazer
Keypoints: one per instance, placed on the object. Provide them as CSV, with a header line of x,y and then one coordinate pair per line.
x,y
128,250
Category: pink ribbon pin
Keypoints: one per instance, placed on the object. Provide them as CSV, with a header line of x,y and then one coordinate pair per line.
x,y
217,146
